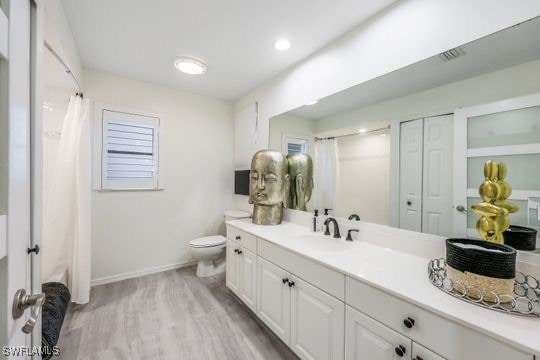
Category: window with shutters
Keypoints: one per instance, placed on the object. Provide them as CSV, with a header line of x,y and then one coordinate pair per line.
x,y
129,145
295,145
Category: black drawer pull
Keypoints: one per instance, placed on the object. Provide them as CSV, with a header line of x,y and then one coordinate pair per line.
x,y
285,280
238,237
418,358
400,350
291,283
239,252
408,322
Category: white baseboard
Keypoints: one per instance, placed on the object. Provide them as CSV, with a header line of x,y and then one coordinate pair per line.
x,y
139,273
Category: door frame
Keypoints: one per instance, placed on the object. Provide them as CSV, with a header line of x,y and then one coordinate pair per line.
x,y
22,103
462,153
37,41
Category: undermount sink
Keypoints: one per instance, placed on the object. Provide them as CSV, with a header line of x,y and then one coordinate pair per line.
x,y
323,243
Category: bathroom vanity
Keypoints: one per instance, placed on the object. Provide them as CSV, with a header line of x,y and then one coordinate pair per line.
x,y
328,298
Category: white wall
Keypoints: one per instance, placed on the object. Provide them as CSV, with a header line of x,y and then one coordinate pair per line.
x,y
58,34
405,33
134,231
364,173
503,84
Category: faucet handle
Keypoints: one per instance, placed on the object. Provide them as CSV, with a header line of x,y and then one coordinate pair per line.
x,y
349,236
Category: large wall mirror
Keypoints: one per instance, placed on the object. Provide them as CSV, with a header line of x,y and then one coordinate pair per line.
x,y
386,150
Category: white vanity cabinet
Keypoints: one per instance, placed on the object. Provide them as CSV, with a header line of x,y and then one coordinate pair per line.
x,y
241,273
322,313
368,339
317,322
421,353
274,305
306,318
232,268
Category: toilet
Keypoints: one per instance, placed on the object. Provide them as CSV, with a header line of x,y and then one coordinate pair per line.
x,y
210,250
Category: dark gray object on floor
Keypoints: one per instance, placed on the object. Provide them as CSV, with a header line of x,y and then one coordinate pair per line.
x,y
54,310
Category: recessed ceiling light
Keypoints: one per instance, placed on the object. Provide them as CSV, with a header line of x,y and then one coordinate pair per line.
x,y
190,65
282,44
362,131
312,102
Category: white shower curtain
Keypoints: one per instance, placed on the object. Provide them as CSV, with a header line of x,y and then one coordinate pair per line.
x,y
327,174
67,213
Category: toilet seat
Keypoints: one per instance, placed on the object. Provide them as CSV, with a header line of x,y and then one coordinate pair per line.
x,y
208,241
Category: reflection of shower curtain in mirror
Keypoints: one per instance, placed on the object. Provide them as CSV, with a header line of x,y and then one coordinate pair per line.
x,y
67,213
327,174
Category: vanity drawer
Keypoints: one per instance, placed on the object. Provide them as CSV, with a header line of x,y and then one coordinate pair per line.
x,y
248,241
324,278
447,338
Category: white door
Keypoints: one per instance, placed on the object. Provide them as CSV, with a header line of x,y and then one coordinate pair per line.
x,y
248,278
437,189
274,299
421,353
232,273
317,323
504,131
366,339
18,111
410,175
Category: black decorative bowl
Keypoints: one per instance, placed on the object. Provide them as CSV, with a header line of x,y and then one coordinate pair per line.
x,y
481,257
481,269
520,238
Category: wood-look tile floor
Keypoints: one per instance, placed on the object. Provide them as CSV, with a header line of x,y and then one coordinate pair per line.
x,y
170,315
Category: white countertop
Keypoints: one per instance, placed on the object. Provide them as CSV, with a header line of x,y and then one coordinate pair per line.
x,y
401,274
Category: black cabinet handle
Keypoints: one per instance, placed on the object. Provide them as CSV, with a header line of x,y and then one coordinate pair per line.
x,y
238,237
239,252
408,322
35,249
291,283
400,350
285,280
236,251
409,203
418,358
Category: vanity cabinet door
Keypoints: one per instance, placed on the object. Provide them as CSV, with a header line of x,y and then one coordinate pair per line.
x,y
248,278
232,274
317,323
421,353
274,298
366,339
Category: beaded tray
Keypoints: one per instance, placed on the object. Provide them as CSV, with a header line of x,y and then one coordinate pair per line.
x,y
525,301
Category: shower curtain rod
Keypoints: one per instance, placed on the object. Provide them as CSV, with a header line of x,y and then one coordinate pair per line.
x,y
354,134
66,67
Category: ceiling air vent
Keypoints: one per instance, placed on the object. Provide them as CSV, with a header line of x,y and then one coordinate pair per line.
x,y
451,54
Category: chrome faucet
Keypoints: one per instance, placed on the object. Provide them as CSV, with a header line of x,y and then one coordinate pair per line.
x,y
337,235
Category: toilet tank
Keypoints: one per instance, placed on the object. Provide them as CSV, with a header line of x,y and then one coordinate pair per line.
x,y
236,215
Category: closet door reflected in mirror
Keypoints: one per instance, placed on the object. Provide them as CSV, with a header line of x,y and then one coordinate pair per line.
x,y
425,175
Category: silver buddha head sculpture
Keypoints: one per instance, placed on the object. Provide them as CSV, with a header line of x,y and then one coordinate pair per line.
x,y
301,181
268,186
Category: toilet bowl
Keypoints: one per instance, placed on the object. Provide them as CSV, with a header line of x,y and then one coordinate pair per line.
x,y
210,250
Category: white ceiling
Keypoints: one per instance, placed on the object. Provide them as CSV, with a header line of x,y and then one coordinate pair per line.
x,y
513,46
140,39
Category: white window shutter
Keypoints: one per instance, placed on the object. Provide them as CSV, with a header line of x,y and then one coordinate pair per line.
x,y
130,151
